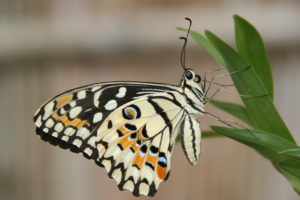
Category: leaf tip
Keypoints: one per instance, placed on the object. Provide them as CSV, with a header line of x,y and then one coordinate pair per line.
x,y
235,16
238,17
217,128
207,32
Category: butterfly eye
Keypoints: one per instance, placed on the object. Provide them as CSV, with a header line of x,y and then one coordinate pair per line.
x,y
188,74
197,79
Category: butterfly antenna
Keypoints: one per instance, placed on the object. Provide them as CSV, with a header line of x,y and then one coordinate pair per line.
x,y
182,56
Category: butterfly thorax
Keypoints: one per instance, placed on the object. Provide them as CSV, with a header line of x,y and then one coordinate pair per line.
x,y
193,93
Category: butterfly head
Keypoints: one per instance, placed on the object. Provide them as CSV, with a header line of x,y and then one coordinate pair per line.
x,y
192,88
191,77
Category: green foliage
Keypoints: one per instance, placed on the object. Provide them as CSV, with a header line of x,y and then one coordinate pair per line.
x,y
251,47
270,136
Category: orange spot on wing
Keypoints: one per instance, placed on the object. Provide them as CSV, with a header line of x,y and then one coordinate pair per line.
x,y
124,130
75,122
152,159
130,112
161,172
63,100
138,160
125,142
135,147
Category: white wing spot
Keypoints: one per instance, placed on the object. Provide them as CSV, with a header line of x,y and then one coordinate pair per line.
x,y
65,138
49,123
101,150
88,151
96,98
92,141
81,94
77,142
110,105
129,185
122,92
117,175
107,165
97,117
72,104
83,133
55,134
144,189
75,111
69,131
46,130
38,122
59,127
48,110
62,111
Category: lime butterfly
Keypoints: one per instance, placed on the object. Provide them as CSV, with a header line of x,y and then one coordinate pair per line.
x,y
129,128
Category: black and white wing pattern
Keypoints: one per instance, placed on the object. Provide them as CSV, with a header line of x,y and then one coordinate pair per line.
x,y
127,127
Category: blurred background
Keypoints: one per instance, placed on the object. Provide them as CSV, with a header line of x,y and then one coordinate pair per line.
x,y
49,46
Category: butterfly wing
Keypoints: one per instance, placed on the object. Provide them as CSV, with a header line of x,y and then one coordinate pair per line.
x,y
129,128
135,143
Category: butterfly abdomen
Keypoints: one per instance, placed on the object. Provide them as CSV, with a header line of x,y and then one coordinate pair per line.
x,y
190,139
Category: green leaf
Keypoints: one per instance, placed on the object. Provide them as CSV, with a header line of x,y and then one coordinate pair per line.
x,y
251,47
234,109
210,134
206,45
292,152
257,137
293,176
267,144
260,106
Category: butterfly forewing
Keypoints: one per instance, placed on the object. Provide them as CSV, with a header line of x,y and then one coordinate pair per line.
x,y
129,128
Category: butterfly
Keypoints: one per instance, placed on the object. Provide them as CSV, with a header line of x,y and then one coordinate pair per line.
x,y
129,128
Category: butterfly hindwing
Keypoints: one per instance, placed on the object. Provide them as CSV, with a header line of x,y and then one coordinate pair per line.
x,y
134,151
129,128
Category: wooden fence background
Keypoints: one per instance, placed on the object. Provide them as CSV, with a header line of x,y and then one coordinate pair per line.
x,y
49,46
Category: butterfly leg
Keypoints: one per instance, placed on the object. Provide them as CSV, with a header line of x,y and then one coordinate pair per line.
x,y
222,87
230,124
220,75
